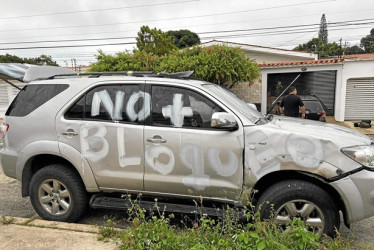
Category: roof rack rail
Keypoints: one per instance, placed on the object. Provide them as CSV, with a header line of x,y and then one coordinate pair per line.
x,y
184,74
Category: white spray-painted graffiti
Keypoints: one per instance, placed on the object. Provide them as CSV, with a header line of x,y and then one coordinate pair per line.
x,y
227,168
305,152
95,147
264,154
144,112
124,161
192,157
151,159
115,111
177,112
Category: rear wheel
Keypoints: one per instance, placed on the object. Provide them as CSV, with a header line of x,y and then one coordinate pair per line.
x,y
291,199
57,193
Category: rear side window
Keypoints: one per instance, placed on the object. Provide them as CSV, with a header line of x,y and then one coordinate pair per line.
x,y
122,103
32,97
313,106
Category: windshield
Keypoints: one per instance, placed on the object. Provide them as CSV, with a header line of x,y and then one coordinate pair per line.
x,y
230,98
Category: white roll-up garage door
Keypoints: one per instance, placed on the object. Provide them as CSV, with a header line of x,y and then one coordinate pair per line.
x,y
359,101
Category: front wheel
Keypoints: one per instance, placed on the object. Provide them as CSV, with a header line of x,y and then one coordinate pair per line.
x,y
57,193
291,199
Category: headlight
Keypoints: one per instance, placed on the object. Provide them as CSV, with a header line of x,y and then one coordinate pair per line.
x,y
362,154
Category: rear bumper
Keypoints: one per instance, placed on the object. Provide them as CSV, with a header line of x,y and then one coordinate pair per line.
x,y
8,160
357,192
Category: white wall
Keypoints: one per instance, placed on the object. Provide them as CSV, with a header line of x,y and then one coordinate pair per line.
x,y
352,69
268,58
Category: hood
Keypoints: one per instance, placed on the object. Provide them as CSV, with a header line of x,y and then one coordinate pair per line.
x,y
341,136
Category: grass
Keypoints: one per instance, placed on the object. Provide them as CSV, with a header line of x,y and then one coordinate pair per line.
x,y
149,230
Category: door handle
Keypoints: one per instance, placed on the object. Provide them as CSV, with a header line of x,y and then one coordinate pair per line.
x,y
70,132
156,139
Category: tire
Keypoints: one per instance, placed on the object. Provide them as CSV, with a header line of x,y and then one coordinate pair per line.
x,y
295,198
57,193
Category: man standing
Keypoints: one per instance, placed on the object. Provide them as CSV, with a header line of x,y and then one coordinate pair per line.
x,y
291,103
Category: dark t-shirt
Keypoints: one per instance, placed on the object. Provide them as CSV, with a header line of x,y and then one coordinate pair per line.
x,y
291,104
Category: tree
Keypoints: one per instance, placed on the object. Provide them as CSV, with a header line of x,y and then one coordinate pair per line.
x,y
316,45
41,60
323,33
313,46
354,50
184,38
154,41
367,42
126,61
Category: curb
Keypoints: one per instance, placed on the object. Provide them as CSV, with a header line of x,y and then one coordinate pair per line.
x,y
31,222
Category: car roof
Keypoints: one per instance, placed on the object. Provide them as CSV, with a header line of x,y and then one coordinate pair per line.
x,y
308,97
86,81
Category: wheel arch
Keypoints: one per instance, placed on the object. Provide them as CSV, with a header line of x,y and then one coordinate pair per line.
x,y
270,179
37,162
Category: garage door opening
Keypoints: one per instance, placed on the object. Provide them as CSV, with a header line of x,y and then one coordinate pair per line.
x,y
319,83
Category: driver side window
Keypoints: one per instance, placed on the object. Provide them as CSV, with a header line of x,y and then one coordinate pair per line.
x,y
179,107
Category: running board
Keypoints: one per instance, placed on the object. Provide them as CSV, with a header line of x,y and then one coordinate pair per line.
x,y
100,201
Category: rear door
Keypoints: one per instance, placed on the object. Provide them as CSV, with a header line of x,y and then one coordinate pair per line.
x,y
183,154
106,126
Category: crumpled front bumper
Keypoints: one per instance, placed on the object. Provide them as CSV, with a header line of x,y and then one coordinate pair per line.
x,y
357,193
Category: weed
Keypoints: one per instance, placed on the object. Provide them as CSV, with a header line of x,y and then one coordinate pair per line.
x,y
149,230
6,220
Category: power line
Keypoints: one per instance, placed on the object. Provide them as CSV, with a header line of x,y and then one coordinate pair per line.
x,y
169,19
334,24
208,24
97,10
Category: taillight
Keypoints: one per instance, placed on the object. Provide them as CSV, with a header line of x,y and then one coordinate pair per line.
x,y
3,129
323,114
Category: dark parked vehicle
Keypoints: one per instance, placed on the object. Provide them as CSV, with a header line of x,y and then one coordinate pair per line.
x,y
314,108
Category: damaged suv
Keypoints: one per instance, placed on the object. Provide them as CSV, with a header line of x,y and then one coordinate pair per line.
x,y
73,141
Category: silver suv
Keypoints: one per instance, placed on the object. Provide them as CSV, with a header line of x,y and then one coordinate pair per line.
x,y
74,141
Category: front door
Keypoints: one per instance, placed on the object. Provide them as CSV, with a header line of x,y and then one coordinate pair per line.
x,y
183,154
106,126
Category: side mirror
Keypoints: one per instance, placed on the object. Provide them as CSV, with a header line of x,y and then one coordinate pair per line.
x,y
252,106
223,120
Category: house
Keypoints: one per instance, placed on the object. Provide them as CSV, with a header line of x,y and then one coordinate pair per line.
x,y
345,85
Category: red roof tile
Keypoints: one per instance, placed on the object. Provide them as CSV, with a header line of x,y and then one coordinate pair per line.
x,y
358,57
298,63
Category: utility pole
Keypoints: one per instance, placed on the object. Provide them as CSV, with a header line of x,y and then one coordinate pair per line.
x,y
74,64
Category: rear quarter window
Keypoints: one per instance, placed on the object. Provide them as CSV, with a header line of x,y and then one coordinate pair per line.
x,y
32,97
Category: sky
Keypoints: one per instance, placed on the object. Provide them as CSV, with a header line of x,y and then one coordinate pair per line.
x,y
73,30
